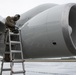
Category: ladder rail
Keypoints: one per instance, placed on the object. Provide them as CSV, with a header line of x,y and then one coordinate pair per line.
x,y
10,46
21,52
20,44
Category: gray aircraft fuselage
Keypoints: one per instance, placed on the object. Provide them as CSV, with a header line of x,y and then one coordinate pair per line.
x,y
48,34
48,31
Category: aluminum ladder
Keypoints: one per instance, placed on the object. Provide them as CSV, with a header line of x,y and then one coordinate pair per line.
x,y
14,49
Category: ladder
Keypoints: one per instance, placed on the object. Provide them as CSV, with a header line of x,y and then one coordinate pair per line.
x,y
14,49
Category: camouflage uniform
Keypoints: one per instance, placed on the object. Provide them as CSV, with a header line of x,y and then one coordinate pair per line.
x,y
10,23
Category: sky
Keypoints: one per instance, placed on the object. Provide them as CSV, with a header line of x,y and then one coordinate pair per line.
x,y
12,7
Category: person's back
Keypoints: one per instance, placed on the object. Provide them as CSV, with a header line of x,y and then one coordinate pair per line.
x,y
10,23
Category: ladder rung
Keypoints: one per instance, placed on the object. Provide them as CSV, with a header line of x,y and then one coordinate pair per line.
x,y
7,69
18,72
14,33
15,51
15,41
18,61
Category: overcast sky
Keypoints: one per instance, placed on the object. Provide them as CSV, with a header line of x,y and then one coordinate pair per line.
x,y
11,7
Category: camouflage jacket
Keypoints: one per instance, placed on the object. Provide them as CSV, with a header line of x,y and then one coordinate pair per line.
x,y
10,23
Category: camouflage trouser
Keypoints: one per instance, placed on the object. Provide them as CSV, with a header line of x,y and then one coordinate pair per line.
x,y
5,36
7,56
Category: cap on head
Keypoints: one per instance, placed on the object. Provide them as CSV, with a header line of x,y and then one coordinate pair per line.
x,y
16,17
